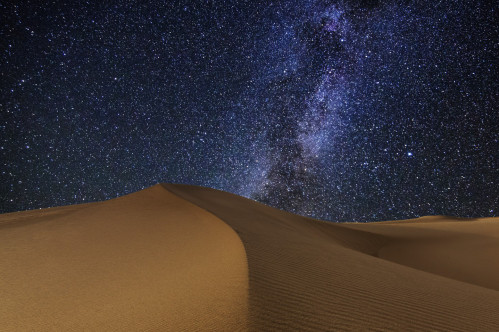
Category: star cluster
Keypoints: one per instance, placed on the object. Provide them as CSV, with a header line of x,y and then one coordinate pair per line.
x,y
354,110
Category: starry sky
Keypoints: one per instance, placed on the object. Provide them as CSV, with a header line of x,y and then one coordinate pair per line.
x,y
340,110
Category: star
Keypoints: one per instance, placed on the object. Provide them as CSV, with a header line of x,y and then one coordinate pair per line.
x,y
316,107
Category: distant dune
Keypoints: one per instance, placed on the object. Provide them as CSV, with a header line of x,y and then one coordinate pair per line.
x,y
184,258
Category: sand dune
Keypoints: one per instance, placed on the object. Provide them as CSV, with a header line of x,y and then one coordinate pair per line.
x,y
176,257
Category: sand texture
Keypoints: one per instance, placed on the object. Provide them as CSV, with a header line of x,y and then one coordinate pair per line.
x,y
184,258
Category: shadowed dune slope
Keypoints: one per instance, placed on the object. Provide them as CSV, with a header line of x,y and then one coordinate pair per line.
x,y
308,275
146,261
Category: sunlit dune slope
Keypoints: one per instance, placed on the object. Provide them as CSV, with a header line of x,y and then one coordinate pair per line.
x,y
311,275
177,257
146,261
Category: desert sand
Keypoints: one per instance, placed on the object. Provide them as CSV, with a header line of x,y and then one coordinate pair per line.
x,y
185,258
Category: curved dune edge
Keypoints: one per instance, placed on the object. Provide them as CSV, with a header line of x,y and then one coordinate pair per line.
x,y
146,261
307,275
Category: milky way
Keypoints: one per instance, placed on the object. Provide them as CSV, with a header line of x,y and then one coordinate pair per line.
x,y
339,110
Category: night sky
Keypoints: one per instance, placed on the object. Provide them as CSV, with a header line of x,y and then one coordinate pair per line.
x,y
339,110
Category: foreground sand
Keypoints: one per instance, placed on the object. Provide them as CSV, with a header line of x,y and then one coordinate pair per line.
x,y
175,257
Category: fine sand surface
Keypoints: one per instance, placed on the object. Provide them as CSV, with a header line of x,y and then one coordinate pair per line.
x,y
146,261
184,258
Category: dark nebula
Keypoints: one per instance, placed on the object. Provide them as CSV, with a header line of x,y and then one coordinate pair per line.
x,y
339,110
